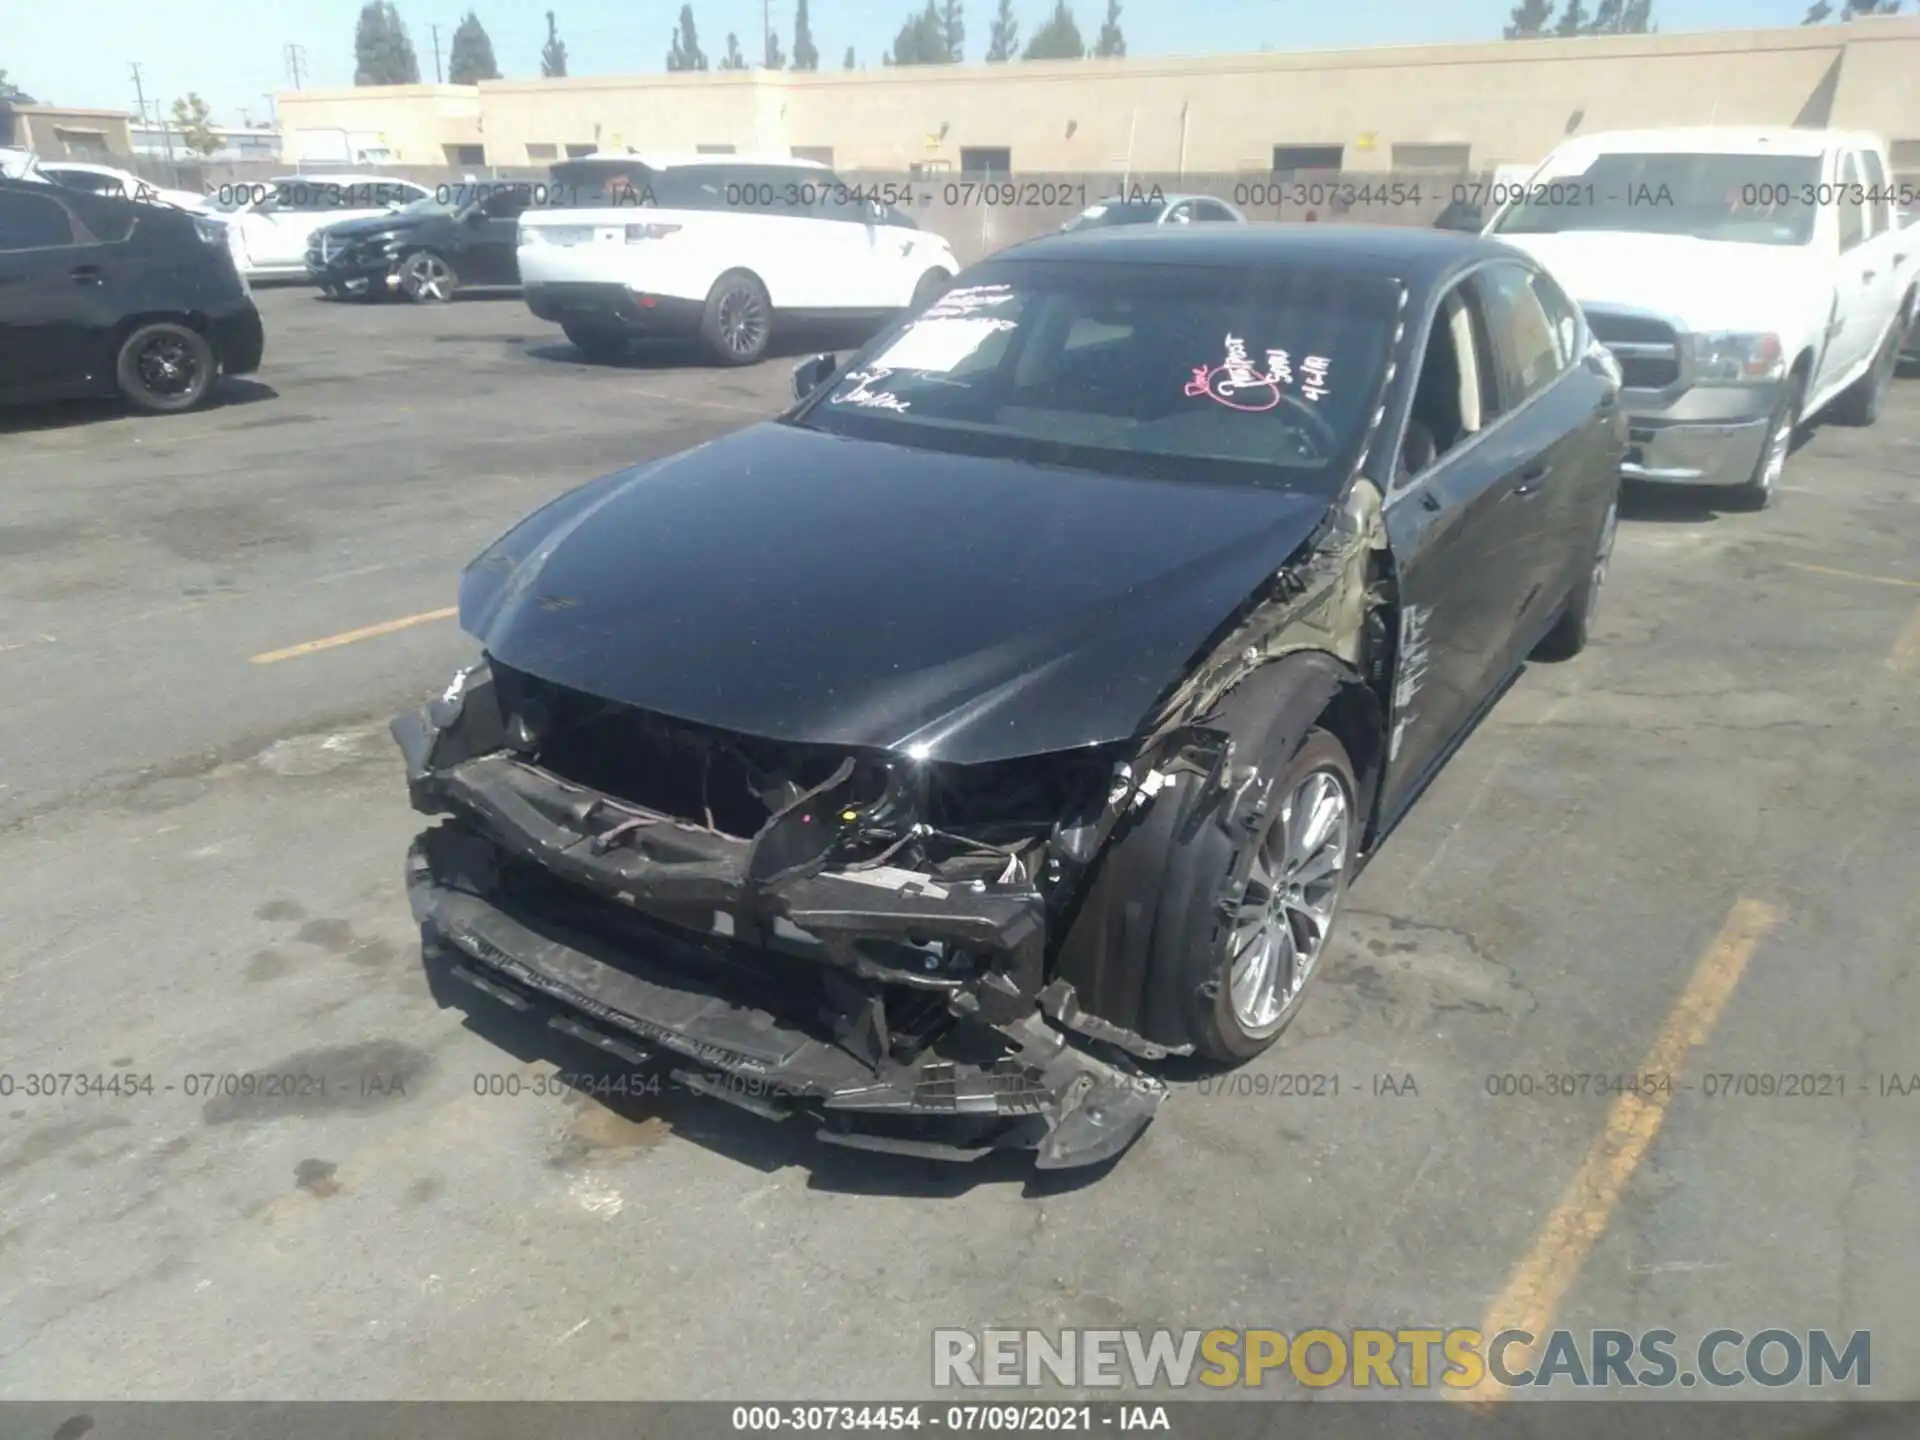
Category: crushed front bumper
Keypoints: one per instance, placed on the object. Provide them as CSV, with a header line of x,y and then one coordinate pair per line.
x,y
672,946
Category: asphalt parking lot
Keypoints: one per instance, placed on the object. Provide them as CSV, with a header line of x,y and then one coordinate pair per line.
x,y
1692,847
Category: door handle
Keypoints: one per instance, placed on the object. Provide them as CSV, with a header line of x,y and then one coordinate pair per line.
x,y
1532,479
86,274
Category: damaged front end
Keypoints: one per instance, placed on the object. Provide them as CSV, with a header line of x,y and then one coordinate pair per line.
x,y
858,938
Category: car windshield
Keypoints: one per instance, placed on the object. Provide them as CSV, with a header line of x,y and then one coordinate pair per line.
x,y
1754,199
1186,372
1116,212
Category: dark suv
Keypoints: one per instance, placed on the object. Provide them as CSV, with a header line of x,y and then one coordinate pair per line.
x,y
101,295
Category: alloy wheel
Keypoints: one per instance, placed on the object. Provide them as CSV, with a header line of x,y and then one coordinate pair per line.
x,y
429,278
1287,909
166,367
743,321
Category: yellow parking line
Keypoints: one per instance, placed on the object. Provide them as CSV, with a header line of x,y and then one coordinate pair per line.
x,y
365,632
1854,575
1533,1293
1905,654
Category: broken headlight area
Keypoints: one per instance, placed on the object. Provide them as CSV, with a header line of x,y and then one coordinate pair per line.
x,y
859,937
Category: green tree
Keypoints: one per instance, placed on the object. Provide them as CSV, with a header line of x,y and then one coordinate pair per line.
x,y
922,40
1573,19
1529,19
953,30
1621,17
733,59
470,58
1850,10
776,58
11,91
1003,41
805,55
686,53
382,53
1058,39
194,121
1111,45
553,54
847,64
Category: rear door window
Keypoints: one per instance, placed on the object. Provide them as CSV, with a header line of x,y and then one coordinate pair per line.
x,y
1526,349
33,222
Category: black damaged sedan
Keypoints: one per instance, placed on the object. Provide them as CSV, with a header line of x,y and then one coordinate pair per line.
x,y
1015,711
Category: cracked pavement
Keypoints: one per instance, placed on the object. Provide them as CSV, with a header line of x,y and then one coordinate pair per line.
x,y
200,867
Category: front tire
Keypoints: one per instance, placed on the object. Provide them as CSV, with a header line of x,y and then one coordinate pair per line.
x,y
165,367
1248,964
1760,487
738,324
428,278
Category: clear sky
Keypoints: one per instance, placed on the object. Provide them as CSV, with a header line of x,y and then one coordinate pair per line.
x,y
233,52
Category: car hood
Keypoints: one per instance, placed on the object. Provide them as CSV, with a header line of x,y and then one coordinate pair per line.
x,y
1706,284
372,225
799,586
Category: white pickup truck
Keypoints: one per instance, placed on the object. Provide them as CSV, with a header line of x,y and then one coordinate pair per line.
x,y
1744,279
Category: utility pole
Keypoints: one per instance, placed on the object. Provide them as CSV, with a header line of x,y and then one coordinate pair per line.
x,y
436,54
296,62
140,96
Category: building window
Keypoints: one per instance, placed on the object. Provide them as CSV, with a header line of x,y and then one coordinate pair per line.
x,y
580,152
542,152
1289,158
820,154
986,160
466,154
1420,156
81,142
713,149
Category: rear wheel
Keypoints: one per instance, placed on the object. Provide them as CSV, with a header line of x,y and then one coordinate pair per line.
x,y
1570,633
738,324
165,367
1758,491
596,344
428,278
1860,404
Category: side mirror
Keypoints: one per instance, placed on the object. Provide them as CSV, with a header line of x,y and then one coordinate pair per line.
x,y
813,372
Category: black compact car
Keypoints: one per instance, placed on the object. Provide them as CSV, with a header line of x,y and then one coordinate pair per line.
x,y
102,295
464,235
1014,712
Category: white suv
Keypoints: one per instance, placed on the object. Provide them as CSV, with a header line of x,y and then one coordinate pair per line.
x,y
719,247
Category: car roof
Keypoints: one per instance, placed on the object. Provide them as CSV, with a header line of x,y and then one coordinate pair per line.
x,y
1718,140
345,178
1415,254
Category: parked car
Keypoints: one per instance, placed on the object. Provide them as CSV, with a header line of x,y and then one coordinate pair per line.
x,y
1747,280
426,251
1474,200
102,295
1910,335
273,221
724,248
1156,209
1035,687
106,180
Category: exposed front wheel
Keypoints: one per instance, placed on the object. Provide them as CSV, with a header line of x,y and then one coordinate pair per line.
x,y
165,367
427,278
738,324
1758,491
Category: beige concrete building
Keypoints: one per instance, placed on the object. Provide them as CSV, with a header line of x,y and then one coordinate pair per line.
x,y
59,130
1443,107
